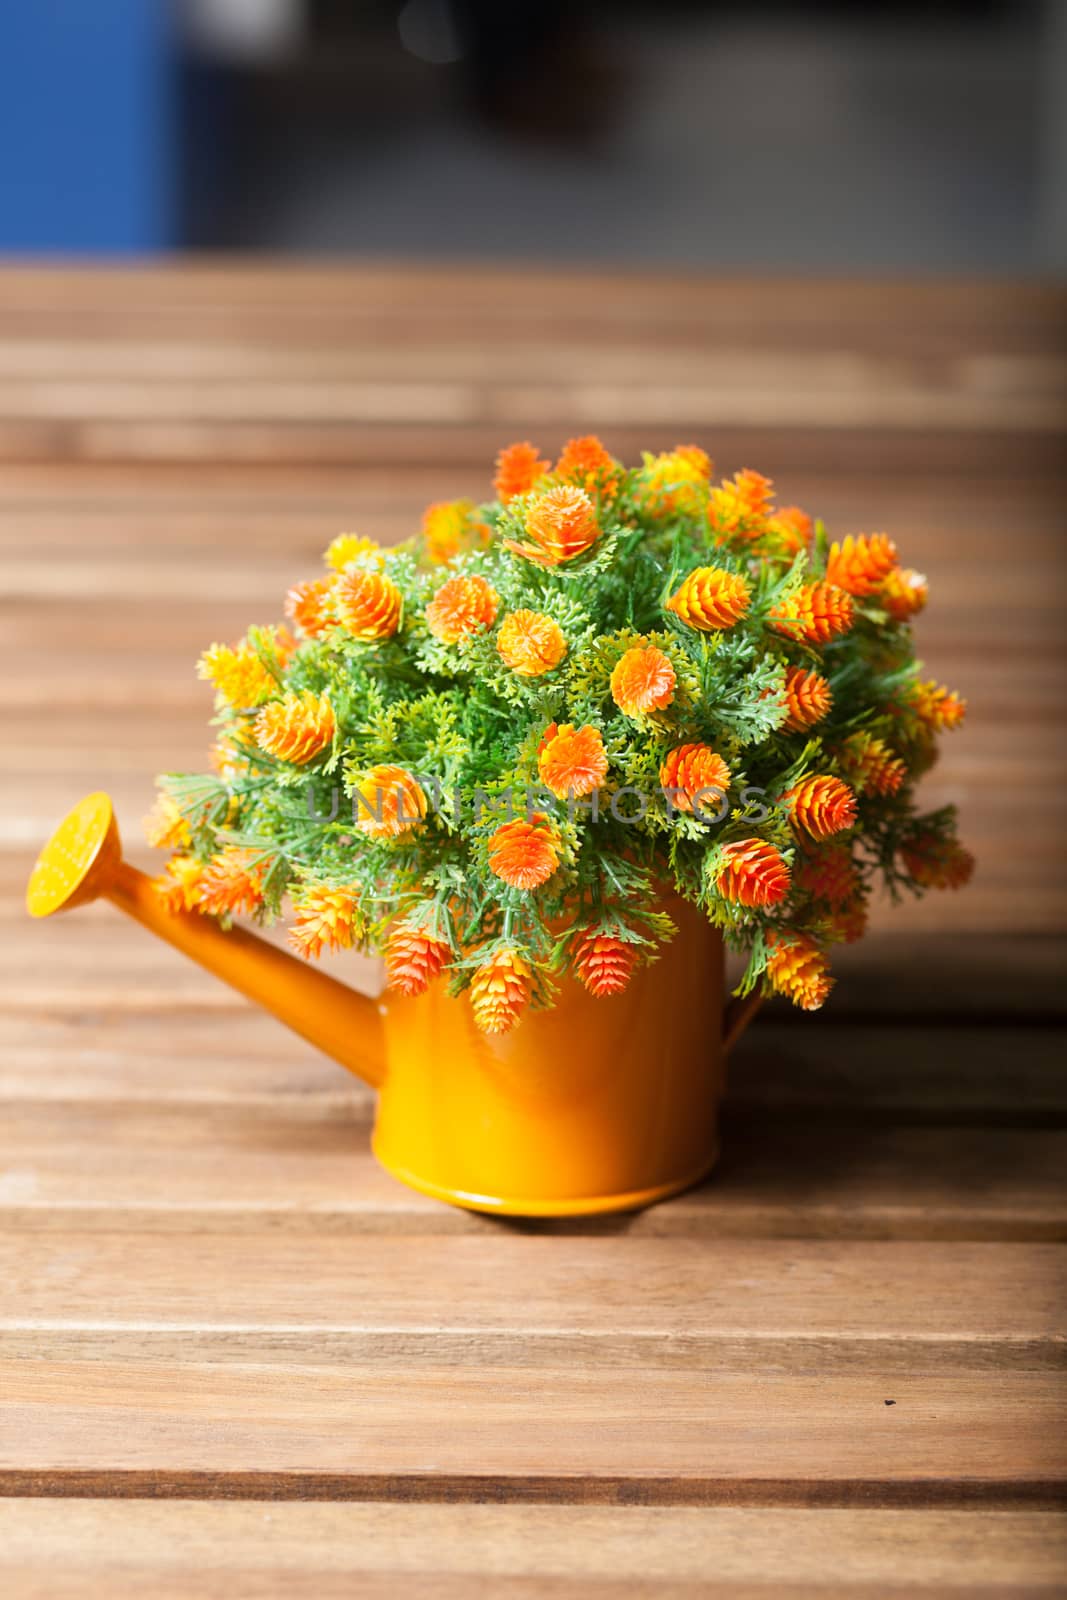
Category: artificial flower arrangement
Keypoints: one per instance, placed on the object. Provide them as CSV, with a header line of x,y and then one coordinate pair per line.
x,y
493,752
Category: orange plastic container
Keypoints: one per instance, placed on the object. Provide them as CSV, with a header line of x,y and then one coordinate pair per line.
x,y
592,1106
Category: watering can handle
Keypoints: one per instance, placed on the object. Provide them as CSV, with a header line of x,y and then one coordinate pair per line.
x,y
737,1016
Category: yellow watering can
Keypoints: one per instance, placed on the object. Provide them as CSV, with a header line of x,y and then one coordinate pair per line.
x,y
595,1105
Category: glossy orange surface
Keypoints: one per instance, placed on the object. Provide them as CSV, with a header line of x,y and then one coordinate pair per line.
x,y
594,1105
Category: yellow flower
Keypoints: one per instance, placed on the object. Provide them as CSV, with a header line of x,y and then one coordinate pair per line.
x,y
238,675
674,483
347,547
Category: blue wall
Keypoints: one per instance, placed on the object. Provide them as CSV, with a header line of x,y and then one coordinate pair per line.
x,y
87,134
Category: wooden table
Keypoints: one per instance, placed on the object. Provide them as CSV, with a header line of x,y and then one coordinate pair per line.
x,y
237,1359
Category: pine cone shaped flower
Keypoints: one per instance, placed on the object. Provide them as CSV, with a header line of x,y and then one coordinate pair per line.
x,y
752,872
828,874
559,525
815,614
524,854
324,919
518,468
413,958
296,728
939,708
694,774
820,805
740,505
903,593
711,598
462,605
305,606
935,863
603,962
809,698
871,765
388,801
232,883
798,969
530,643
861,563
500,991
586,463
643,680
367,604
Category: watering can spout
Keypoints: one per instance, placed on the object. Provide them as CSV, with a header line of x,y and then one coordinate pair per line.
x,y
82,861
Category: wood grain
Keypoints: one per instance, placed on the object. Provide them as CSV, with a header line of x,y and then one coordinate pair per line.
x,y
171,1549
837,1368
596,1433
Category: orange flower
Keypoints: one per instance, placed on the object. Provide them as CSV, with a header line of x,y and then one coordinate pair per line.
x,y
711,598
821,806
179,887
164,827
500,991
586,463
445,526
792,528
871,765
560,524
861,565
570,760
828,874
368,604
325,919
392,800
297,728
232,883
939,708
936,863
461,606
814,614
524,854
644,680
239,675
305,605
798,969
518,468
808,697
849,922
530,643
413,958
740,507
345,548
903,593
674,483
752,873
692,774
603,962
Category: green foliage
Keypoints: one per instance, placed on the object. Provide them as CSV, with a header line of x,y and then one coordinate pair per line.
x,y
467,725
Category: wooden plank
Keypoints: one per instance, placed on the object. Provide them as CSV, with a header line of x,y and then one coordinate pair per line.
x,y
288,1166
536,1552
316,1427
641,1301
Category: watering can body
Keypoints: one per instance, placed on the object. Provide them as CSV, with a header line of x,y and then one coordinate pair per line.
x,y
595,1105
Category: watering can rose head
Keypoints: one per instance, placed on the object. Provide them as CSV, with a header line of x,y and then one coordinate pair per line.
x,y
490,752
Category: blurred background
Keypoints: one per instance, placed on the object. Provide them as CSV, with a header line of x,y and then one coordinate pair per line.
x,y
883,135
